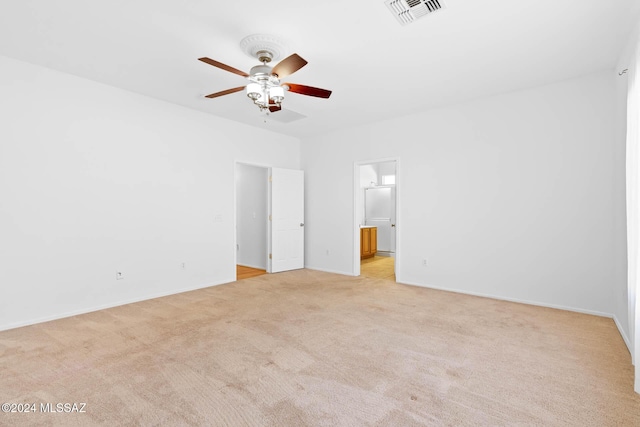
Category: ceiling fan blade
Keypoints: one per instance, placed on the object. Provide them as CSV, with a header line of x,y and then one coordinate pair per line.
x,y
225,92
223,66
274,108
288,66
308,90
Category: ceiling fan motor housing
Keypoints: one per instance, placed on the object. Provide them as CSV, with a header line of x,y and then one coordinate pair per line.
x,y
264,56
260,70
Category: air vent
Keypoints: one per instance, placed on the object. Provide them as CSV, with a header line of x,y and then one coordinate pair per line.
x,y
407,11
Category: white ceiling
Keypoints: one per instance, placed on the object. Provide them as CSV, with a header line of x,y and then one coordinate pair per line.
x,y
376,68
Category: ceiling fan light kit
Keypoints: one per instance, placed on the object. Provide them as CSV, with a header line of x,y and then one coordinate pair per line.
x,y
262,94
264,87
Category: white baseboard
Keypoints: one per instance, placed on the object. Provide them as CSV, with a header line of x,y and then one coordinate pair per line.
x,y
103,307
517,300
624,336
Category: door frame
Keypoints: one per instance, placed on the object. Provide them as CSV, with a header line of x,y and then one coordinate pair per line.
x,y
356,223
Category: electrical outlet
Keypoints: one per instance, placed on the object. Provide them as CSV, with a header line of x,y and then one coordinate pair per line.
x,y
184,265
424,262
327,251
119,275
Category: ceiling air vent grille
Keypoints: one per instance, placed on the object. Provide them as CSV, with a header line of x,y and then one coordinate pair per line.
x,y
407,11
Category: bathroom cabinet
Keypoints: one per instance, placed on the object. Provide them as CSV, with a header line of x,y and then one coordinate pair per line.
x,y
368,242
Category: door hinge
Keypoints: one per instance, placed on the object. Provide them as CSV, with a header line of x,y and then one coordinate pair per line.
x,y
270,257
270,178
269,217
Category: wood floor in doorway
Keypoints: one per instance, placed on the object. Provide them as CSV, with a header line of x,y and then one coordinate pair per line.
x,y
243,272
379,267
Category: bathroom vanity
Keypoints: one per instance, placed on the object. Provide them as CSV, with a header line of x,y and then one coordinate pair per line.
x,y
368,241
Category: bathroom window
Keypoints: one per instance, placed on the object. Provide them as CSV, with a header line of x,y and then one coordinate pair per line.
x,y
388,179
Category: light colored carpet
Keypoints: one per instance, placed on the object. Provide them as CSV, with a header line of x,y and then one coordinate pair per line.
x,y
311,348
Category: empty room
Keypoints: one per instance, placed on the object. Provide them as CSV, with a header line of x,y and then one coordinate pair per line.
x,y
388,213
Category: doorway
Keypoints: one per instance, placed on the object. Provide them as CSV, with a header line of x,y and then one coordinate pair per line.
x,y
252,215
376,223
269,219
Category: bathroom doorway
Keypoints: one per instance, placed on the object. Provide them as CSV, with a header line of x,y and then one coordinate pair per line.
x,y
376,219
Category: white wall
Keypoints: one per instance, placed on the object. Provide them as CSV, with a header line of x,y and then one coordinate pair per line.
x,y
386,168
251,215
94,179
516,196
368,175
509,196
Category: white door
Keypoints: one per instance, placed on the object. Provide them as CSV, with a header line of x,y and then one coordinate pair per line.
x,y
379,211
377,203
287,219
393,220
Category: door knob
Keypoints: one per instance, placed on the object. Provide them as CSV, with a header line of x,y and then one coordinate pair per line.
x,y
393,225
302,224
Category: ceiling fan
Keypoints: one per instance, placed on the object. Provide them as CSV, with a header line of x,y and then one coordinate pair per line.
x,y
264,87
